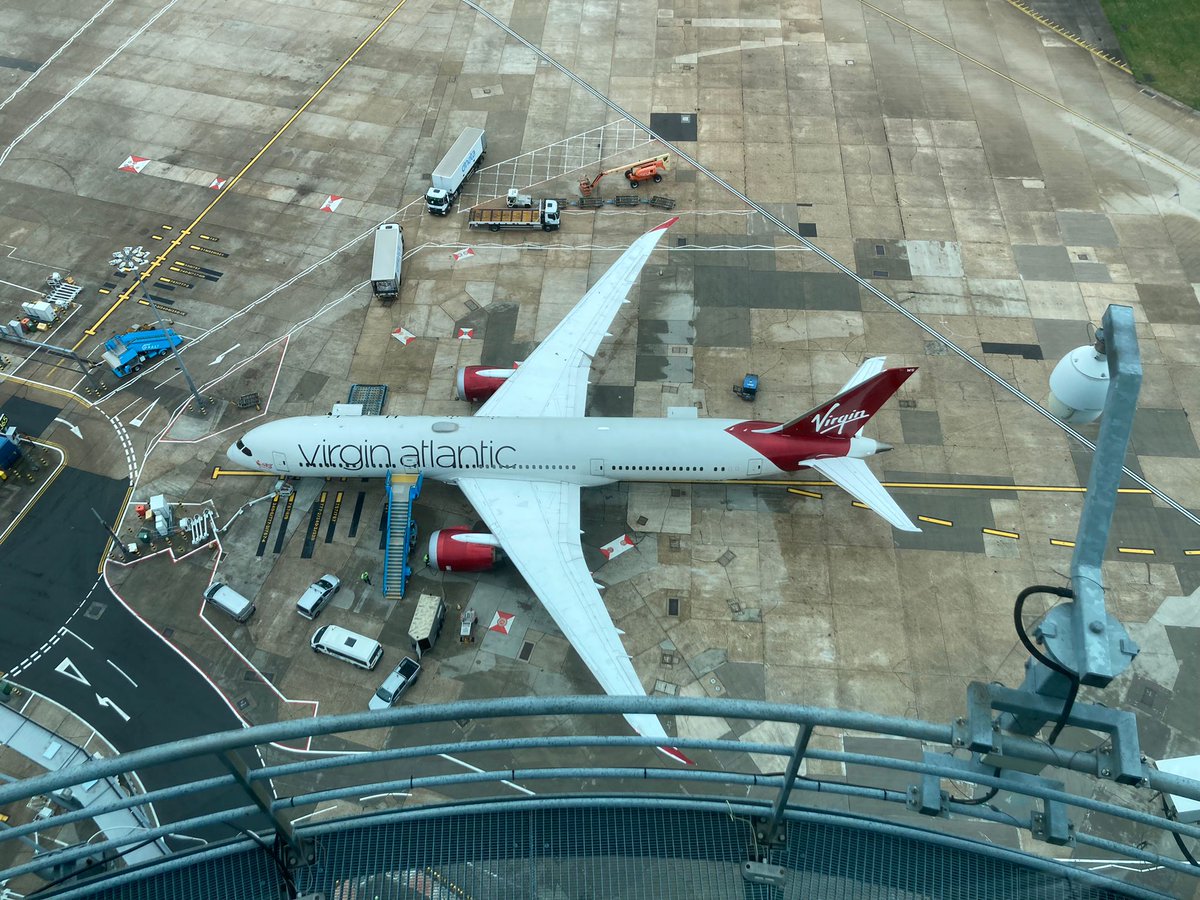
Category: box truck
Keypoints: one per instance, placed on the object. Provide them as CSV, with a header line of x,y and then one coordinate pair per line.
x,y
456,166
389,256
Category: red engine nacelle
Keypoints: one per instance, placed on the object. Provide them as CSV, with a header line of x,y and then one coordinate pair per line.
x,y
463,550
477,383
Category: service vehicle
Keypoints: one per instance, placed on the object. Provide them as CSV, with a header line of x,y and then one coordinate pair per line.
x,y
545,217
129,352
399,680
229,601
317,595
456,166
387,261
517,200
426,623
346,645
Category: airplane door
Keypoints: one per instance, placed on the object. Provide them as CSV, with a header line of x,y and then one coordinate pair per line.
x,y
597,467
281,464
754,467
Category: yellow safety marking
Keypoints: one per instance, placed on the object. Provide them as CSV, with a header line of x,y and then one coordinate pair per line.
x,y
207,237
218,472
162,307
859,504
1073,38
941,486
933,521
998,533
167,227
1191,552
1140,551
208,251
804,493
156,237
1057,543
104,291
1119,135
229,185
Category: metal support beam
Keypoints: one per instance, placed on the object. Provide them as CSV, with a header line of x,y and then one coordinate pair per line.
x,y
1092,635
300,852
768,830
1080,635
62,352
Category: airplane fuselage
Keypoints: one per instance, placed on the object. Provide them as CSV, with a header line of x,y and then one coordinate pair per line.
x,y
584,451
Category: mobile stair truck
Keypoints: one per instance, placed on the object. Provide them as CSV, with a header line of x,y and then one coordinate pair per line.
x,y
456,167
127,353
544,217
389,256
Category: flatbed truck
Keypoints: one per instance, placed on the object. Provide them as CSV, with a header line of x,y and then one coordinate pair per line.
x,y
545,217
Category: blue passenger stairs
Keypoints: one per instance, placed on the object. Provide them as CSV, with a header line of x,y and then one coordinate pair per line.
x,y
402,489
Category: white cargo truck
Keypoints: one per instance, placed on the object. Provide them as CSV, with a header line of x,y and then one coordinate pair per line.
x,y
456,166
389,256
426,623
545,217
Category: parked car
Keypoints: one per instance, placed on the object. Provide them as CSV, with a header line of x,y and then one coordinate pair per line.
x,y
317,595
399,680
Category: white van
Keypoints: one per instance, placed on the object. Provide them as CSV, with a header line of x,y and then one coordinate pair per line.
x,y
347,645
229,601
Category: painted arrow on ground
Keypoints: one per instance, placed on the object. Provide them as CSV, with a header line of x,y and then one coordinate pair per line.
x,y
223,355
141,417
73,429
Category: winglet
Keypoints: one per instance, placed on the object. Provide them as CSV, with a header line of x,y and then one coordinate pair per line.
x,y
676,755
667,224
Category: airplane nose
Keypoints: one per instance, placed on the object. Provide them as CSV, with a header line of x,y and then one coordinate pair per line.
x,y
881,447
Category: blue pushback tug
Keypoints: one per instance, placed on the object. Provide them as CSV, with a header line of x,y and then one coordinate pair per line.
x,y
748,389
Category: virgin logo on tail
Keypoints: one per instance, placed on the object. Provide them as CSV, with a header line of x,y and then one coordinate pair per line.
x,y
826,422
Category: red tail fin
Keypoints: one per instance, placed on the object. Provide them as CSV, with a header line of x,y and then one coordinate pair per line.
x,y
848,412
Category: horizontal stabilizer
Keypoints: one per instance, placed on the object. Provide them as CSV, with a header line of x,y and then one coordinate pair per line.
x,y
856,479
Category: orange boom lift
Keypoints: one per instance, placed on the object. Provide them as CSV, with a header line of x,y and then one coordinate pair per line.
x,y
643,170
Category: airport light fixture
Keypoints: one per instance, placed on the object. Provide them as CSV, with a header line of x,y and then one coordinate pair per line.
x,y
132,259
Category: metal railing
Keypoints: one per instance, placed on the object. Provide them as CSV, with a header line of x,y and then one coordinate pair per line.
x,y
613,772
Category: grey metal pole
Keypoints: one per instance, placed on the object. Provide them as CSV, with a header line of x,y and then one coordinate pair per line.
x,y
770,828
116,537
175,353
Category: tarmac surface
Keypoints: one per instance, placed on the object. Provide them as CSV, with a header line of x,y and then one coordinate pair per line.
x,y
1001,184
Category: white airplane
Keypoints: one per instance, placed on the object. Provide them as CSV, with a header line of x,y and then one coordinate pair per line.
x,y
522,458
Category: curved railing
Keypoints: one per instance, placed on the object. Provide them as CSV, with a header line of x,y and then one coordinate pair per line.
x,y
590,772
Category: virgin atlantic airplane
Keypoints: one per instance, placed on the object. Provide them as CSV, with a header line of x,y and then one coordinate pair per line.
x,y
523,457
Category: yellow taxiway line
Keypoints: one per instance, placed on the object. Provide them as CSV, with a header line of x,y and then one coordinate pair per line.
x,y
182,236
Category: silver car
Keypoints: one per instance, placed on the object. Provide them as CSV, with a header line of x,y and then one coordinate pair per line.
x,y
317,595
399,680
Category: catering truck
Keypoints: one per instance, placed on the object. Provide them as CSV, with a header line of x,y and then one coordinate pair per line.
x,y
385,266
456,166
544,217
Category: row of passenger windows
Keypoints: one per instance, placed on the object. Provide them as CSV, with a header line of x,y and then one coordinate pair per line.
x,y
665,468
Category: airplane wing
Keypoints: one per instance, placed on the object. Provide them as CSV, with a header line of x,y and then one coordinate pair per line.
x,y
553,380
538,526
855,478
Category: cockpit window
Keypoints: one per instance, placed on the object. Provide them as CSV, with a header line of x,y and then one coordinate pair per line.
x,y
245,450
